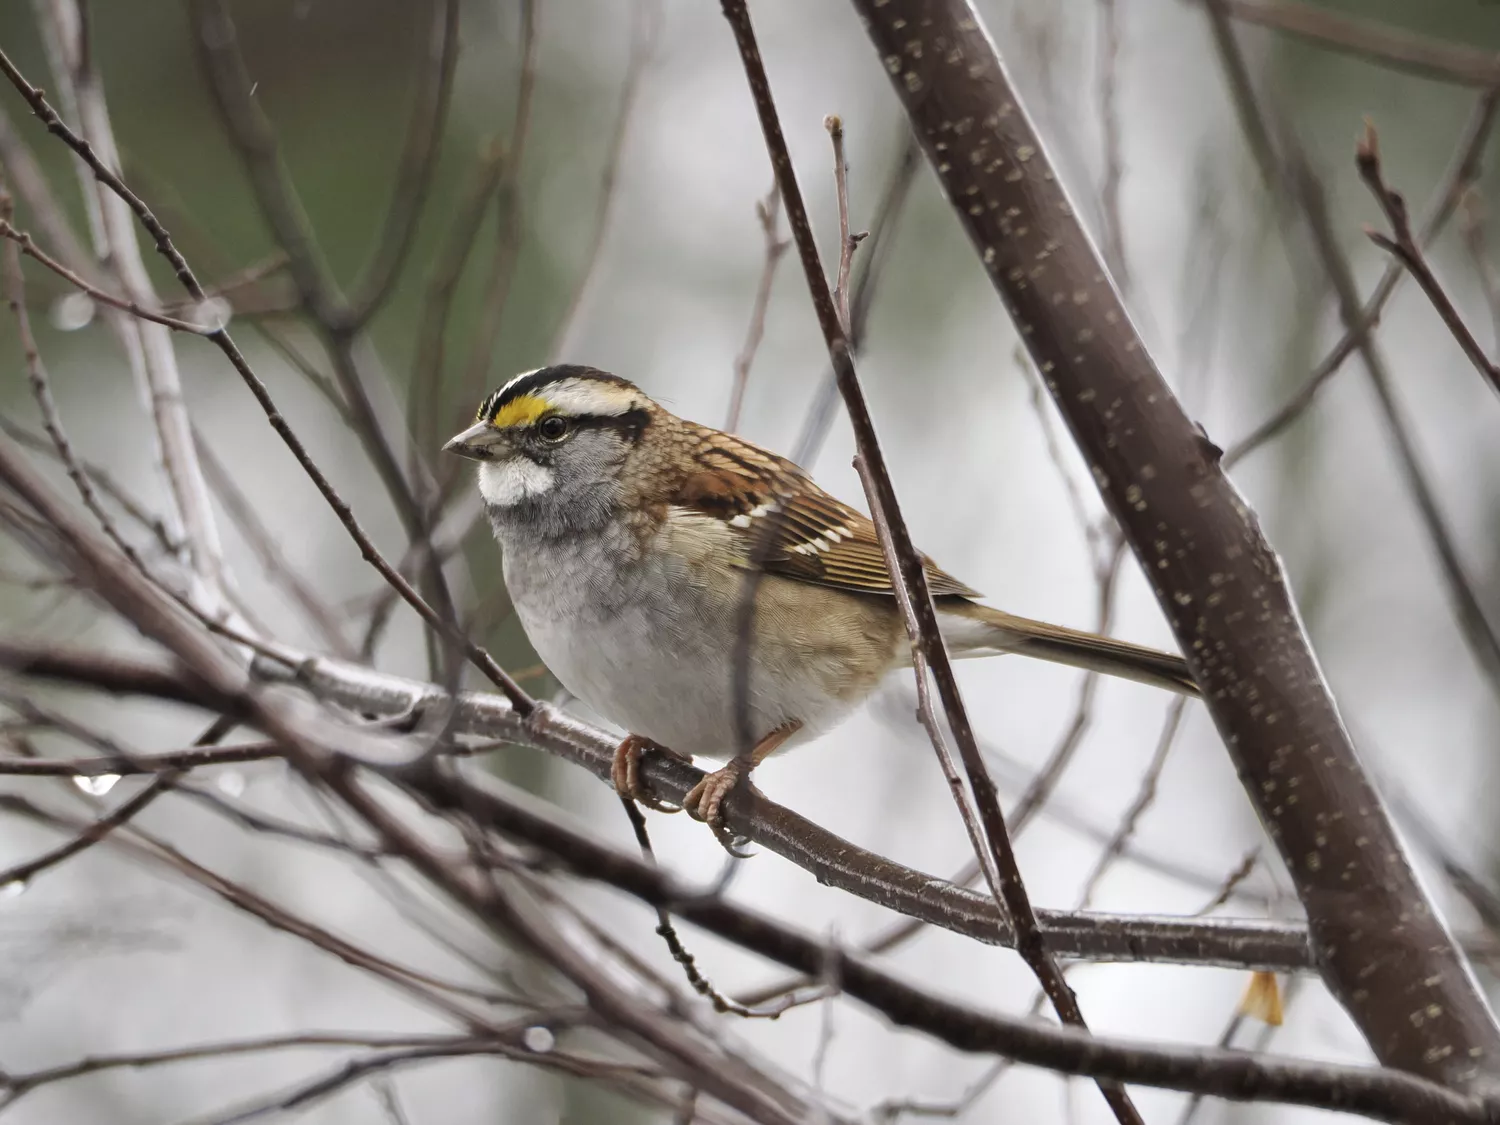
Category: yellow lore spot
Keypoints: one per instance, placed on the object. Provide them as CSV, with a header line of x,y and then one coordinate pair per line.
x,y
520,411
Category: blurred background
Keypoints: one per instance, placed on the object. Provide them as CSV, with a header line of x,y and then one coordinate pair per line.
x,y
107,954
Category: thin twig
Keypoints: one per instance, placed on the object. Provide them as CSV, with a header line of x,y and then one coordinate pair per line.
x,y
124,304
508,220
1462,171
1382,44
414,171
668,932
645,28
1109,123
1404,248
1237,876
23,872
1145,795
836,862
868,272
149,349
847,241
1471,218
905,563
1382,1093
125,765
221,338
767,211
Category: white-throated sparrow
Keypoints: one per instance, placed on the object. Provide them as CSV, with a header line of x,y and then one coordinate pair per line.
x,y
628,536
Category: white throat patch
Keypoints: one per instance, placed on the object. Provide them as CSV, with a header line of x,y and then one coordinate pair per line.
x,y
504,484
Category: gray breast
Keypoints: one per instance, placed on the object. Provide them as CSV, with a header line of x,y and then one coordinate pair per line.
x,y
646,639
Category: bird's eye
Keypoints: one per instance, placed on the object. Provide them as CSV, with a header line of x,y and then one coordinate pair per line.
x,y
553,428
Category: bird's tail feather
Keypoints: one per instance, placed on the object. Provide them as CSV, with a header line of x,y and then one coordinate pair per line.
x,y
971,629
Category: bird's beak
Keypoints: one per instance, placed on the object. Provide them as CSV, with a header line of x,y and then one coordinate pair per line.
x,y
477,442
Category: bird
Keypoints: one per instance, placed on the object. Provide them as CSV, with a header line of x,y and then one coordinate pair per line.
x,y
703,593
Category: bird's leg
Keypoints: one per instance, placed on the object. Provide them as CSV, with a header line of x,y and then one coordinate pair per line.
x,y
626,771
705,801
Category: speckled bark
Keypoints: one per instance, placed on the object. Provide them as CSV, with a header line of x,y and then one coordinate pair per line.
x,y
1382,949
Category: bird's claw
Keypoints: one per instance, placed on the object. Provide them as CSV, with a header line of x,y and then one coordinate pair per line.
x,y
705,802
626,772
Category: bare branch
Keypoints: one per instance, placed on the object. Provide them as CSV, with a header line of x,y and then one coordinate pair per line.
x,y
766,211
419,157
1403,246
1369,39
1299,183
22,872
441,623
1388,1095
1109,123
906,566
1462,171
149,346
834,861
1384,951
645,27
124,304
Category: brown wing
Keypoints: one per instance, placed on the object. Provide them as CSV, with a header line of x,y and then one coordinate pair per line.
x,y
814,537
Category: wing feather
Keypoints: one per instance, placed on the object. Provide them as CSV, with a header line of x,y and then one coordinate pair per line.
x,y
813,537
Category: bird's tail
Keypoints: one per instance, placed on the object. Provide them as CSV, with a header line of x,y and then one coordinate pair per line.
x,y
971,629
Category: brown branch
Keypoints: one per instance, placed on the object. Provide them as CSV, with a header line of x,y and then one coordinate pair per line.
x,y
1462,171
1471,224
645,27
17,1084
868,271
1109,124
906,564
441,623
507,221
766,212
1403,246
847,241
833,861
264,543
1383,948
22,872
1299,183
1388,1095
124,304
124,765
149,349
424,402
1369,39
414,170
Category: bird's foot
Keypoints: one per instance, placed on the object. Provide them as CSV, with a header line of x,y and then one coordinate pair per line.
x,y
705,802
626,771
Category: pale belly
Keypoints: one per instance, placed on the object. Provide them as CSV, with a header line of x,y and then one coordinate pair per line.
x,y
651,648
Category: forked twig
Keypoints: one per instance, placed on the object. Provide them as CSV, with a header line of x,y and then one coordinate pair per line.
x,y
1401,244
